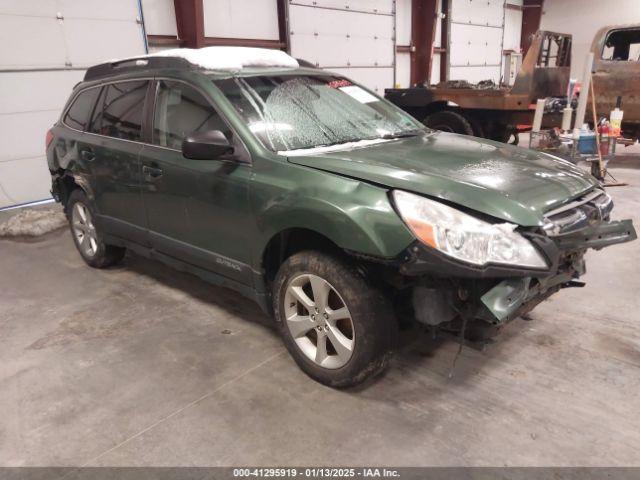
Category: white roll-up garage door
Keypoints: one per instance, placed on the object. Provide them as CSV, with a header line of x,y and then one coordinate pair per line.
x,y
45,46
476,36
351,37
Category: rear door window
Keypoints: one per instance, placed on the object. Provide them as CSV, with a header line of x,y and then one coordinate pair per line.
x,y
78,114
119,111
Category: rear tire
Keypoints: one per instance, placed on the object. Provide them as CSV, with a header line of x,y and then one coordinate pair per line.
x,y
339,329
449,121
87,236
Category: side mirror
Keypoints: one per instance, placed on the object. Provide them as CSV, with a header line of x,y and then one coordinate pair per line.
x,y
206,145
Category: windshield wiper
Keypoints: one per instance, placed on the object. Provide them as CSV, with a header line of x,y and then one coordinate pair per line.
x,y
406,133
388,136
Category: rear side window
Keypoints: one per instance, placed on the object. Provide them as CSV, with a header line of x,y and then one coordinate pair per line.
x,y
181,110
78,114
119,111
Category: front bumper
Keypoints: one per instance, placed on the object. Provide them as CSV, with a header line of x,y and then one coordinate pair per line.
x,y
503,293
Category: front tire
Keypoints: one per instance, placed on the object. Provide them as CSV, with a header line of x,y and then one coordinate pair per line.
x,y
87,235
339,329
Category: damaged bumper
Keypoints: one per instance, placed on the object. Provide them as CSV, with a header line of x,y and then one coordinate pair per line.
x,y
503,293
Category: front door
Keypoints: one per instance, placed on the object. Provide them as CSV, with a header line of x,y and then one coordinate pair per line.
x,y
197,210
113,158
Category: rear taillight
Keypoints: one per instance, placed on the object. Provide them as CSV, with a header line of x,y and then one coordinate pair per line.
x,y
48,138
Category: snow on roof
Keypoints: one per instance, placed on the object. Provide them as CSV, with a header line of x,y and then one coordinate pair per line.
x,y
231,58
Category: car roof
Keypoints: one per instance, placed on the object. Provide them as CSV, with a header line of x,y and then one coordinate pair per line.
x,y
217,61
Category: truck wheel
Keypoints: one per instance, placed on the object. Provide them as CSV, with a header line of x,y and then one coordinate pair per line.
x,y
339,329
476,126
448,121
503,134
87,236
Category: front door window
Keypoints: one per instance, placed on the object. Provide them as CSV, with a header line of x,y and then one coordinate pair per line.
x,y
180,111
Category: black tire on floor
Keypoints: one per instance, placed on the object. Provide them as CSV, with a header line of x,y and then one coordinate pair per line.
x,y
449,121
104,255
374,327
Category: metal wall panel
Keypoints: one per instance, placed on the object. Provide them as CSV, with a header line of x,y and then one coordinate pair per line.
x,y
403,22
512,29
368,6
257,19
31,104
475,46
476,31
358,37
403,70
376,79
435,70
403,37
438,35
474,12
38,71
159,17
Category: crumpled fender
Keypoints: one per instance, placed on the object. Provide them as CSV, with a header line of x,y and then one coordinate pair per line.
x,y
354,215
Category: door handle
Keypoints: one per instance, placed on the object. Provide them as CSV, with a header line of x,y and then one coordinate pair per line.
x,y
151,173
88,155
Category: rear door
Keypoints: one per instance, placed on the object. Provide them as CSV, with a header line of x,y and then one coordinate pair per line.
x,y
198,210
74,143
113,158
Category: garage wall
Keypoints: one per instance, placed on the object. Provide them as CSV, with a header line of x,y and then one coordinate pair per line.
x,y
512,26
38,71
582,19
475,32
159,17
352,37
241,19
403,37
437,57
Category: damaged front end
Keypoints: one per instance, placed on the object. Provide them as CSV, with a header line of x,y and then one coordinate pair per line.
x,y
472,303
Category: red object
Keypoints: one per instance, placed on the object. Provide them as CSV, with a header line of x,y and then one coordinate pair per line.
x,y
48,138
603,130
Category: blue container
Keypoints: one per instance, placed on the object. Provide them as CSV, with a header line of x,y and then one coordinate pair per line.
x,y
587,144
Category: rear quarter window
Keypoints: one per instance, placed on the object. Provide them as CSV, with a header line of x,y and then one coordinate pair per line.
x,y
78,114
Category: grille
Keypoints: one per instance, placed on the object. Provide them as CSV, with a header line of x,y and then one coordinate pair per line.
x,y
588,210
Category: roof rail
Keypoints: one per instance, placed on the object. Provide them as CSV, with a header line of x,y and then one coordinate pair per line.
x,y
134,64
306,63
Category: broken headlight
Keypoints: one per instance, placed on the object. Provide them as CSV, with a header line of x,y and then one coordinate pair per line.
x,y
463,236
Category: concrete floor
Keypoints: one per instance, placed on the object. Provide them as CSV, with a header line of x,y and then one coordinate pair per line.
x,y
140,365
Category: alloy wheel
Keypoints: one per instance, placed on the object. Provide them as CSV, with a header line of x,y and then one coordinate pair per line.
x,y
319,321
84,230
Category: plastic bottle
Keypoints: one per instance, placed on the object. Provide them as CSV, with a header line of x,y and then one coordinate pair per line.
x,y
616,119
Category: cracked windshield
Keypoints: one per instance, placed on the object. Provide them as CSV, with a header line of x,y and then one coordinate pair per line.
x,y
304,111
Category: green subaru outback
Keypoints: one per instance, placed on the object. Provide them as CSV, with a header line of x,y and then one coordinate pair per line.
x,y
337,212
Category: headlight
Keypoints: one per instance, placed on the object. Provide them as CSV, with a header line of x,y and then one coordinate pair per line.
x,y
464,237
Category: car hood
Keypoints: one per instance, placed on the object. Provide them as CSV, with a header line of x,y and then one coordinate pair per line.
x,y
503,181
